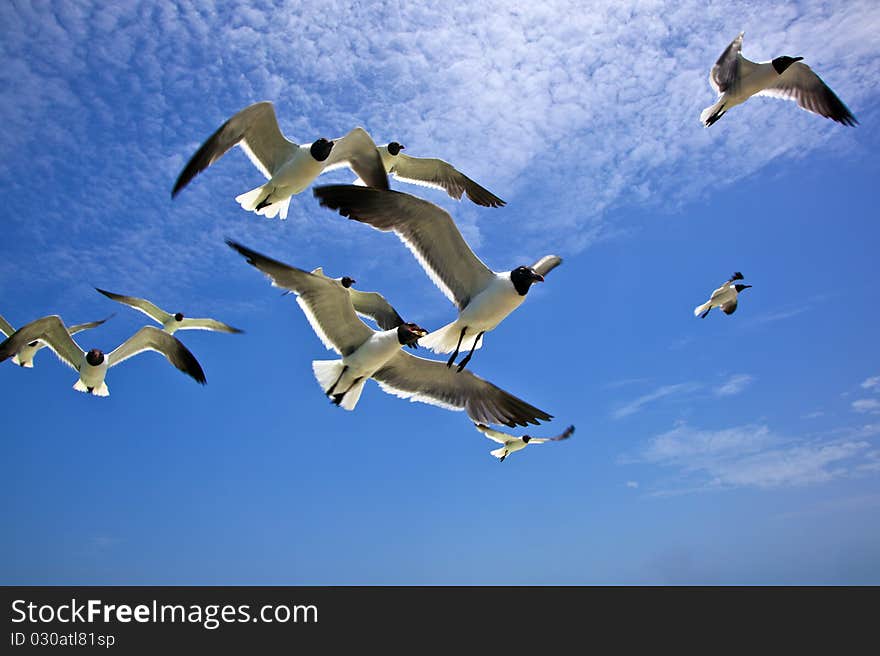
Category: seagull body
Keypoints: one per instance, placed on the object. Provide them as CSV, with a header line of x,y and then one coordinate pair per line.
x,y
434,173
288,167
368,304
512,444
367,353
94,364
170,323
725,297
483,297
736,79
25,356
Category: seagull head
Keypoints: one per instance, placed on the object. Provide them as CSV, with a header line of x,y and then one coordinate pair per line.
x,y
347,282
740,287
95,357
394,148
781,64
409,333
320,149
524,277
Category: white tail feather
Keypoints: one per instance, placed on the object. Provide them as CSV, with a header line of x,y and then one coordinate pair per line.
x,y
326,372
706,113
250,199
702,308
499,453
100,390
349,401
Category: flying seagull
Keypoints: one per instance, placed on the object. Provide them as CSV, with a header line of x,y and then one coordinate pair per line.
x,y
367,353
170,322
25,357
93,365
511,444
724,297
368,304
736,79
288,167
432,172
483,297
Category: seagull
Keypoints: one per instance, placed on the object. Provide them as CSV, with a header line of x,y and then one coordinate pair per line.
x,y
25,357
512,444
483,297
368,304
736,79
93,365
288,167
368,353
724,297
432,172
171,323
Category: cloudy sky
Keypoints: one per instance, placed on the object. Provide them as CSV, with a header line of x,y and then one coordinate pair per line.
x,y
740,449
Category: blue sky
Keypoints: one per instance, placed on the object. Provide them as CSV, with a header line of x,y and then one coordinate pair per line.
x,y
741,449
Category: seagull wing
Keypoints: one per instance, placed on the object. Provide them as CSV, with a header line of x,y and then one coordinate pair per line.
x,y
358,151
150,338
154,312
78,328
801,84
563,436
431,381
725,73
427,230
5,327
52,332
256,129
546,264
374,306
492,434
207,324
324,301
432,172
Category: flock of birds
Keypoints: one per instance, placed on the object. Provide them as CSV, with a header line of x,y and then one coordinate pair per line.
x,y
333,307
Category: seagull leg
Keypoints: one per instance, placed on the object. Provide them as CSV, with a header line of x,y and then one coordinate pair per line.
x,y
455,354
265,202
467,358
501,459
703,316
329,392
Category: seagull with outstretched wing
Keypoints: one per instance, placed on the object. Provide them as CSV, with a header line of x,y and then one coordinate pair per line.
x,y
736,79
170,323
725,297
483,297
288,166
511,444
93,365
367,353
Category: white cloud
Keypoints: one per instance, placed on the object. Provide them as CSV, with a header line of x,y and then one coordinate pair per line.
x,y
734,385
636,405
632,485
869,406
871,383
607,94
754,456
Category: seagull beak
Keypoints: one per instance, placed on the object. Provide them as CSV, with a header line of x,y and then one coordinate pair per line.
x,y
421,332
402,147
797,58
538,277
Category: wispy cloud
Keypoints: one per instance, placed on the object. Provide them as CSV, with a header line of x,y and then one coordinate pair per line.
x,y
553,84
734,385
866,406
872,383
754,456
665,391
633,485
